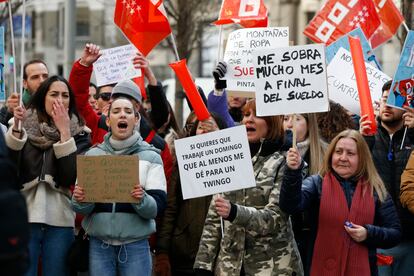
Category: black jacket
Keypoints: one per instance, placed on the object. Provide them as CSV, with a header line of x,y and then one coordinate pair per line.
x,y
390,162
297,196
33,162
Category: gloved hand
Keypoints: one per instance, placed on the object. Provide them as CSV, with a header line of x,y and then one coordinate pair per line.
x,y
162,265
218,73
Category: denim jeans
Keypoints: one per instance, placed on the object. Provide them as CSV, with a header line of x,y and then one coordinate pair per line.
x,y
52,244
127,259
403,264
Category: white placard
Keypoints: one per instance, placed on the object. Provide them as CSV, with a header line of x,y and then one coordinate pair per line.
x,y
291,80
238,54
342,83
115,65
215,162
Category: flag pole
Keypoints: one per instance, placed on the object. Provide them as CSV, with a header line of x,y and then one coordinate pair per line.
x,y
294,131
22,57
219,57
403,139
13,47
406,27
174,46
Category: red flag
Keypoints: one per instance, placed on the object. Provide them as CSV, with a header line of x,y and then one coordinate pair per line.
x,y
247,13
144,22
338,17
391,19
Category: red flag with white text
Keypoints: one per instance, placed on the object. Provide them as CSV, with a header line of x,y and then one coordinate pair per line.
x,y
144,22
247,13
391,19
339,17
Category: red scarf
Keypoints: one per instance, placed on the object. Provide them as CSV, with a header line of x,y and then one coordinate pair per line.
x,y
335,252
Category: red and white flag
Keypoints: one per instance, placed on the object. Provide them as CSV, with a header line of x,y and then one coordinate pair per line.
x,y
144,22
247,13
391,19
339,17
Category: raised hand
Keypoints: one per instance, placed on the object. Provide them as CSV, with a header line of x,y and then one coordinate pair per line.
x,y
60,117
12,102
364,125
218,74
408,117
293,159
90,54
141,62
223,206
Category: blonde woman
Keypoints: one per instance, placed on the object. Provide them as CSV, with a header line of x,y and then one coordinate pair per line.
x,y
351,213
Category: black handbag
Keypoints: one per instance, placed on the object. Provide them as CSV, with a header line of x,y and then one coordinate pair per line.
x,y
78,255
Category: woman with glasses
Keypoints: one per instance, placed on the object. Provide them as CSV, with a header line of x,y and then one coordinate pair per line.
x,y
45,150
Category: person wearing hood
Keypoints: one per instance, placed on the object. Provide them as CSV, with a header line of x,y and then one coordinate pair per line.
x,y
119,231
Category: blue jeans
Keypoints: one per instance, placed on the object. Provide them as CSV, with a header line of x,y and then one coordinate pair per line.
x,y
128,259
403,264
52,244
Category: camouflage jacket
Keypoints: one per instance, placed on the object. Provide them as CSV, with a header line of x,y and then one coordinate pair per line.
x,y
260,237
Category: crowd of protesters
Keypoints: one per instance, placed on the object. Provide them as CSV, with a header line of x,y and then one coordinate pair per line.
x,y
337,201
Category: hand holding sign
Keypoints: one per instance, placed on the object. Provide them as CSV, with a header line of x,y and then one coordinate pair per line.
x,y
138,192
79,193
223,207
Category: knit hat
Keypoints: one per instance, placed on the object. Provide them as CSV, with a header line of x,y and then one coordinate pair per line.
x,y
127,88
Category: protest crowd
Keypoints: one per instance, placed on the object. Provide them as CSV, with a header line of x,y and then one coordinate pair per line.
x,y
100,179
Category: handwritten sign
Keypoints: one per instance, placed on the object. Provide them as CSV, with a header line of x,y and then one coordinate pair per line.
x,y
238,54
215,162
2,63
402,87
291,80
342,82
108,178
115,65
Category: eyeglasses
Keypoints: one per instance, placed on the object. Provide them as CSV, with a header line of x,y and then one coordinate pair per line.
x,y
103,96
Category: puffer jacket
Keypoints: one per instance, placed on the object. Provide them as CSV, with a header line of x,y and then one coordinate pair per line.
x,y
259,238
390,162
125,222
297,196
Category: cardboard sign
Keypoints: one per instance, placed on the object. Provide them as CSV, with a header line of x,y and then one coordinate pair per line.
x,y
402,87
115,65
2,63
215,162
291,80
238,54
342,83
108,178
343,42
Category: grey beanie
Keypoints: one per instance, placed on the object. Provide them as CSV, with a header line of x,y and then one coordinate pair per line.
x,y
127,88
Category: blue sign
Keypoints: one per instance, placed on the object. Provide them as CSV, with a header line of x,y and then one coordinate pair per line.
x,y
343,42
17,26
402,88
2,92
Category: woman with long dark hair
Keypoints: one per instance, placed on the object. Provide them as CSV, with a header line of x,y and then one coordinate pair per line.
x,y
45,150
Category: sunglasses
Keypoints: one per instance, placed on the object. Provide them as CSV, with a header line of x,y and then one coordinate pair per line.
x,y
104,96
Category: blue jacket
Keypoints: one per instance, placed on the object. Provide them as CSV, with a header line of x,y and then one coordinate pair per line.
x,y
297,196
125,222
